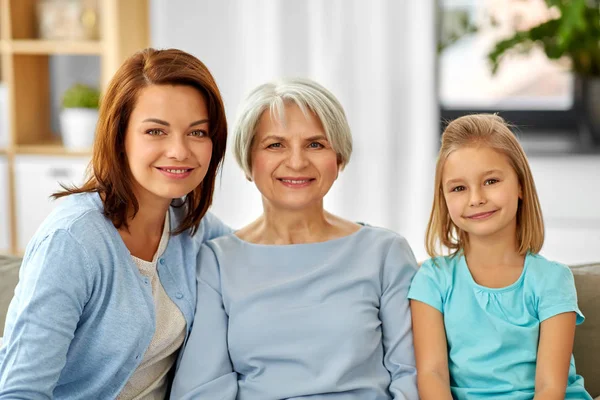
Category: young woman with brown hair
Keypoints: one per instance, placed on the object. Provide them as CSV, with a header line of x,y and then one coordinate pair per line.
x,y
107,288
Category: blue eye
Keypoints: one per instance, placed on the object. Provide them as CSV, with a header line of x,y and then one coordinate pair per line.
x,y
274,146
316,145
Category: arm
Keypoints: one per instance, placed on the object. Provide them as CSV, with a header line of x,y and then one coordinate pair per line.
x,y
55,284
213,227
394,313
205,370
554,355
431,351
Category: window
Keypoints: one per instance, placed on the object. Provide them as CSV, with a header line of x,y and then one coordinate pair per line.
x,y
528,90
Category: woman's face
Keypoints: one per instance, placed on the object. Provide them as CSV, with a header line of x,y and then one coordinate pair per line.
x,y
293,164
167,143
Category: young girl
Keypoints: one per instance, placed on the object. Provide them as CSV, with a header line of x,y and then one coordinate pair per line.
x,y
493,320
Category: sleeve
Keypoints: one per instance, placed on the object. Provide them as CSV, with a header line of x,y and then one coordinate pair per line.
x,y
558,294
394,313
429,285
55,284
205,370
213,227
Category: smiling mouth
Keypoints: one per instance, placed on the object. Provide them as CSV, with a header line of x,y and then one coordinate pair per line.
x,y
175,170
480,216
296,181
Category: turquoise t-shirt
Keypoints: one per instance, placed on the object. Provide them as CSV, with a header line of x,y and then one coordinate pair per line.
x,y
493,334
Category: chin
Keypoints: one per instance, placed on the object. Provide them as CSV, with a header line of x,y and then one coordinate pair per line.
x,y
173,194
294,206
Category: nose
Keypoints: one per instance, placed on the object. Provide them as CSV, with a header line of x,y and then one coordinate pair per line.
x,y
178,148
477,198
297,159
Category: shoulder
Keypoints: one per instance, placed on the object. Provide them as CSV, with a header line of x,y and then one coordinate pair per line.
x,y
439,270
381,235
228,244
213,254
433,280
553,287
392,247
543,274
211,227
543,270
79,217
441,265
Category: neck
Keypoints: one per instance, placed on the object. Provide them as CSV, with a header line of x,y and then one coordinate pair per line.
x,y
498,249
150,218
307,225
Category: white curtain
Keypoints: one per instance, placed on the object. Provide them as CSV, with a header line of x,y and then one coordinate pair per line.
x,y
376,56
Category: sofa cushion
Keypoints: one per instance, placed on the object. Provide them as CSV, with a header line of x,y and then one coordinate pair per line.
x,y
587,335
9,276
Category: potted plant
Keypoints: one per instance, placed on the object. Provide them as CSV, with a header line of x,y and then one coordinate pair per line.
x,y
79,116
574,33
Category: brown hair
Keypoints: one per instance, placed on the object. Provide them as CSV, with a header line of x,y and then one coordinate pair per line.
x,y
110,174
490,131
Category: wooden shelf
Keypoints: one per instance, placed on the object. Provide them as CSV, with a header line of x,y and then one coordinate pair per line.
x,y
53,148
47,47
27,69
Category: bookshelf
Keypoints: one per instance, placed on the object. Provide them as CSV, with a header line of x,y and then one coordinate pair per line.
x,y
32,150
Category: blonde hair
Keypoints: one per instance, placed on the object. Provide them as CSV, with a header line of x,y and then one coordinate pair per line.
x,y
309,96
491,131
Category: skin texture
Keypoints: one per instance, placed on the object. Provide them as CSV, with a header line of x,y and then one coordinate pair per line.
x,y
296,149
168,128
177,141
293,166
479,180
482,194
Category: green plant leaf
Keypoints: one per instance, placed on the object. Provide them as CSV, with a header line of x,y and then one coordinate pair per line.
x,y
81,96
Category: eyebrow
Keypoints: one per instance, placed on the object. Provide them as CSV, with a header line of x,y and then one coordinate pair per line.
x,y
491,171
281,138
165,123
273,137
316,137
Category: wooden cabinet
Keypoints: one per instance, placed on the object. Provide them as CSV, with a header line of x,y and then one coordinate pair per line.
x,y
36,179
26,79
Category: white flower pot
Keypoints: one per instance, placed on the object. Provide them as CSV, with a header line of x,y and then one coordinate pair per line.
x,y
78,126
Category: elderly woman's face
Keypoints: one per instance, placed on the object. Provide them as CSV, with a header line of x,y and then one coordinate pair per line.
x,y
293,164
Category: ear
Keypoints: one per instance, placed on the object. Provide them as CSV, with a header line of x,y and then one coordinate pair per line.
x,y
340,167
520,192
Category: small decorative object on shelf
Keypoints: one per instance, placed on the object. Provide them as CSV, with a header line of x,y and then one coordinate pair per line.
x,y
79,117
68,19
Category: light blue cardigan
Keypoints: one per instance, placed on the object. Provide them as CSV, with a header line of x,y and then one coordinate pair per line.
x,y
82,315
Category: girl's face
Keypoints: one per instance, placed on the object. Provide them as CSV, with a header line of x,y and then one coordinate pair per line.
x,y
167,143
293,164
482,191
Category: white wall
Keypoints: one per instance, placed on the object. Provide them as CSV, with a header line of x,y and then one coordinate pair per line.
x,y
569,191
387,88
377,57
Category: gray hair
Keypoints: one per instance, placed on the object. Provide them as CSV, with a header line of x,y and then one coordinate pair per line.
x,y
309,96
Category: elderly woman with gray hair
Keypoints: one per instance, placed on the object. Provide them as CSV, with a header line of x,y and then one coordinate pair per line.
x,y
300,303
